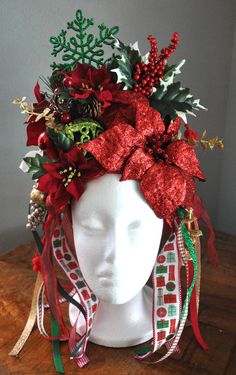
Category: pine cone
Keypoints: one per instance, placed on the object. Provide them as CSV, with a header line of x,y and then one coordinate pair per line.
x,y
90,109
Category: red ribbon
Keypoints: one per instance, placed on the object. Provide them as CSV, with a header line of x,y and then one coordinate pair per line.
x,y
201,213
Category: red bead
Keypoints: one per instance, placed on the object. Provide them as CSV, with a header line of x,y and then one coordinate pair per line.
x,y
43,141
67,82
65,118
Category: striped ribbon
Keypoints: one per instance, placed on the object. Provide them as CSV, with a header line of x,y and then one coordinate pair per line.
x,y
88,300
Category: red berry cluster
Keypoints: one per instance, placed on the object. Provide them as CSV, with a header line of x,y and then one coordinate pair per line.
x,y
148,75
36,263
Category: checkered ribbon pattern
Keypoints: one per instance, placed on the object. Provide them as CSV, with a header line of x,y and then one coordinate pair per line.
x,y
88,300
169,317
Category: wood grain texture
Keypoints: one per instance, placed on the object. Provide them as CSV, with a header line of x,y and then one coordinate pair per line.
x,y
217,322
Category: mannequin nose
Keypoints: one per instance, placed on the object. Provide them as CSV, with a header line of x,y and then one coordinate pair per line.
x,y
115,247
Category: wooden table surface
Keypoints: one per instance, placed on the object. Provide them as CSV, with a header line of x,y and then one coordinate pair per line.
x,y
217,323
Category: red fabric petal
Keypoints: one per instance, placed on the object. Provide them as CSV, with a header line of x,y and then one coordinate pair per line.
x,y
82,94
148,120
34,130
123,109
136,165
112,147
60,198
38,95
47,184
75,188
164,188
92,169
100,77
183,155
103,96
52,169
73,157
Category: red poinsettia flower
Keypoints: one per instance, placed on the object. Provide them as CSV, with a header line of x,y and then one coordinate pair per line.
x,y
35,128
86,81
65,179
143,150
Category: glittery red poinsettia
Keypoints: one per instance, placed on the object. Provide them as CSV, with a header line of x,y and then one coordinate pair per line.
x,y
141,148
35,128
65,179
87,81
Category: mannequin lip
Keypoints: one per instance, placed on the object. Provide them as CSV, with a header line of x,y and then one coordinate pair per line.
x,y
107,274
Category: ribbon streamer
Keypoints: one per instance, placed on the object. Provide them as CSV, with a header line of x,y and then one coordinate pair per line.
x,y
31,319
69,264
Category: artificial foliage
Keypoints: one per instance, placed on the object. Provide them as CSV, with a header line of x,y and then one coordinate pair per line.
x,y
123,64
173,99
83,46
35,165
60,139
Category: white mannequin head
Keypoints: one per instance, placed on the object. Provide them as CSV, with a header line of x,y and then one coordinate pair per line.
x,y
117,237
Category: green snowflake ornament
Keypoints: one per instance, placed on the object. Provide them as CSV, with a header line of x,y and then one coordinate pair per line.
x,y
82,47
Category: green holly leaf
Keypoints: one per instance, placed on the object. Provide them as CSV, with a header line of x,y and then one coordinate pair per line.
x,y
170,72
35,165
174,100
60,139
123,65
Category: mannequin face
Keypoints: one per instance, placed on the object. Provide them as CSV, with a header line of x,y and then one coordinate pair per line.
x,y
117,237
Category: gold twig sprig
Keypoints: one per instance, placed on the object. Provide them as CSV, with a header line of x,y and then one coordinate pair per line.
x,y
207,143
29,109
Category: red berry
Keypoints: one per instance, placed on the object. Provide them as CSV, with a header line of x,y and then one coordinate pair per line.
x,y
65,118
67,82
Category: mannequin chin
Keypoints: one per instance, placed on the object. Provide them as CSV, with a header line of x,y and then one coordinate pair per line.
x,y
117,237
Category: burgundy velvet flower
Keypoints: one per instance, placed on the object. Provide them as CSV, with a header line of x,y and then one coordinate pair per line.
x,y
86,81
144,150
35,128
65,178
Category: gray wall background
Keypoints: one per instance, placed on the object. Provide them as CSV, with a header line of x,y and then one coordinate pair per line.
x,y
207,41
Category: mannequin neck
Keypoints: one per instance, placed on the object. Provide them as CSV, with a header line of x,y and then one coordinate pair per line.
x,y
120,325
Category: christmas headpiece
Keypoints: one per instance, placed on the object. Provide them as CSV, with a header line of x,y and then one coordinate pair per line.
x,y
123,115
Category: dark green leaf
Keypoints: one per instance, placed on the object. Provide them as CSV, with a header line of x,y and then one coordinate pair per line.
x,y
60,139
174,99
126,62
35,165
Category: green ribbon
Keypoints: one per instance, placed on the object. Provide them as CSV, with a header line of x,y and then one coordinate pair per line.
x,y
189,244
56,346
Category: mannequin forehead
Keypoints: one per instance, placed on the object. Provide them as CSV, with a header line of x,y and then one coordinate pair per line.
x,y
109,196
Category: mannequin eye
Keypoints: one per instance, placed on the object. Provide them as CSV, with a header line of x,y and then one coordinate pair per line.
x,y
134,225
92,226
